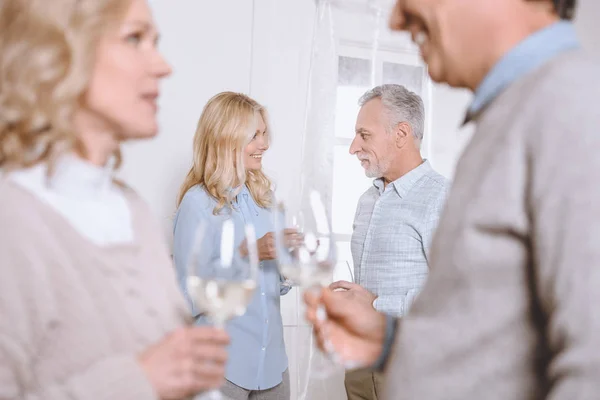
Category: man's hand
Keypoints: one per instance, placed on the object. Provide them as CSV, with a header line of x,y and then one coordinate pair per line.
x,y
353,291
354,328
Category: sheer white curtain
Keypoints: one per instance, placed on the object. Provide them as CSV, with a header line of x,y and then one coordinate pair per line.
x,y
352,50
311,62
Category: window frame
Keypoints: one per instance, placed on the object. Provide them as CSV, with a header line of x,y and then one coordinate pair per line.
x,y
384,54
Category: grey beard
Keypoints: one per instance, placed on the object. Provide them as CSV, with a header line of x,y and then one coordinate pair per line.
x,y
373,173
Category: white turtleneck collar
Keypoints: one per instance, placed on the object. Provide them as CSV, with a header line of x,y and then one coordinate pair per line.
x,y
85,195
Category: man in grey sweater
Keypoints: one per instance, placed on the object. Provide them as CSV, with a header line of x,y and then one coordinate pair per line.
x,y
509,307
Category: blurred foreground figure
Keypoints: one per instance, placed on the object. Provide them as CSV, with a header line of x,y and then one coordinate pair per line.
x,y
509,307
89,303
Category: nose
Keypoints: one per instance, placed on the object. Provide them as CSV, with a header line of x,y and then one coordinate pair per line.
x,y
160,67
397,19
263,142
354,146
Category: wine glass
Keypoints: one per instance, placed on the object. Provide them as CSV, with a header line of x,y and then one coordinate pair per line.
x,y
306,254
222,274
343,272
304,242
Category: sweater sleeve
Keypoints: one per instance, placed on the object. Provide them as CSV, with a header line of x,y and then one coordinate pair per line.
x,y
564,200
28,309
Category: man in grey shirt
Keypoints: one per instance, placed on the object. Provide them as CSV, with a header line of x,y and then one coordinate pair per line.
x,y
510,306
395,218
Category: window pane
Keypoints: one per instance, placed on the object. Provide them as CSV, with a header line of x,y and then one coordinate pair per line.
x,y
409,76
354,71
349,183
354,77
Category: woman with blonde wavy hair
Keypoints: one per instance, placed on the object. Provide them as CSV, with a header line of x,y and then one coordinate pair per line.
x,y
226,181
89,301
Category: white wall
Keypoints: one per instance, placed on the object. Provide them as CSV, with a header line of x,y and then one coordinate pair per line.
x,y
262,47
282,44
209,45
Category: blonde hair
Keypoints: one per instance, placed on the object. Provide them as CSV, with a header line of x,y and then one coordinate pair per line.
x,y
47,53
226,126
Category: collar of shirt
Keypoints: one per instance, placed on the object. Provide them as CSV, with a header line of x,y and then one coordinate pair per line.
x,y
72,177
246,197
403,184
531,53
85,195
75,176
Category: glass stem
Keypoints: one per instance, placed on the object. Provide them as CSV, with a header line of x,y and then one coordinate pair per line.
x,y
219,323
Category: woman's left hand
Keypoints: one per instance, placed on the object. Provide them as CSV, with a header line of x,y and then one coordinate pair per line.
x,y
266,244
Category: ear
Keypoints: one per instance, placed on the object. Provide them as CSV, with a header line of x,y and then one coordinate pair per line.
x,y
402,133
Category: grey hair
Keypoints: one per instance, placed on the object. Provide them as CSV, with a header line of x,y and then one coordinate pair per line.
x,y
402,105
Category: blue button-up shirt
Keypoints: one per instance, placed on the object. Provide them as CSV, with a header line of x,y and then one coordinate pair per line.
x,y
257,357
530,54
393,229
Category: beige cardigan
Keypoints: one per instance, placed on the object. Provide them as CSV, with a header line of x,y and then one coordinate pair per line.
x,y
74,316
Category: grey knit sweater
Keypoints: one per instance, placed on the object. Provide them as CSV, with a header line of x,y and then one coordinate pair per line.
x,y
510,308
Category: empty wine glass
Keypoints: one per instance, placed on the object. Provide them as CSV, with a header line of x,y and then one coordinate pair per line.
x,y
221,274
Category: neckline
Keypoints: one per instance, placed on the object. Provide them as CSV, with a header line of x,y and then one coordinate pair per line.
x,y
71,232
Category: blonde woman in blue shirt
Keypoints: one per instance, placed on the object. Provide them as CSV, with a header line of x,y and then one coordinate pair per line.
x,y
226,181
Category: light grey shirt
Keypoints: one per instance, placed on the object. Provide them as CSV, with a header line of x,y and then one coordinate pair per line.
x,y
393,228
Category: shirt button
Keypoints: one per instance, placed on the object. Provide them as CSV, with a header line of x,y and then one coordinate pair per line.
x,y
263,293
266,321
263,349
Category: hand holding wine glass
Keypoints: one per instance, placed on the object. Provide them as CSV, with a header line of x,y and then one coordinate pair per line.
x,y
187,361
304,241
266,244
354,329
306,254
222,272
352,291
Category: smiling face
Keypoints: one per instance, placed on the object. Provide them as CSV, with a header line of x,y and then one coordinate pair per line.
x,y
444,32
258,145
124,84
372,144
461,40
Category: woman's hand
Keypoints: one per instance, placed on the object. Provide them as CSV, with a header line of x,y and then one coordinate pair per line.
x,y
187,361
267,247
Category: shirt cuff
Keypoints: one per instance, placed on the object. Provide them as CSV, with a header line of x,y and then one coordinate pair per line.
x,y
285,287
391,325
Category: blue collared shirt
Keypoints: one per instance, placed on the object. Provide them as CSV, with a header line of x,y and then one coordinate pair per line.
x,y
530,54
257,357
406,213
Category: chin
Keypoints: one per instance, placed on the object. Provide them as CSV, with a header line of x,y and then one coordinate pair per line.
x,y
436,74
254,167
140,131
435,70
